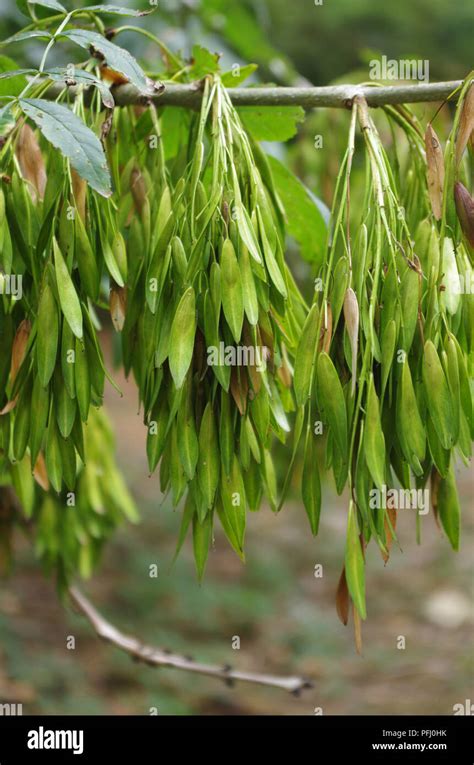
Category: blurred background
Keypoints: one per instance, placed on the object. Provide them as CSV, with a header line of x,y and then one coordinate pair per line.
x,y
284,615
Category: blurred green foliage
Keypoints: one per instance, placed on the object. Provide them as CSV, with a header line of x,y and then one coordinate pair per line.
x,y
302,39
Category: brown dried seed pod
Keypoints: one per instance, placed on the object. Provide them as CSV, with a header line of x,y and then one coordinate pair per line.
x,y
465,211
118,306
343,600
79,188
31,162
20,342
466,124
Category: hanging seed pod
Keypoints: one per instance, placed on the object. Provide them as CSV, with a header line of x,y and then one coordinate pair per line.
x,y
435,171
354,563
31,162
305,356
465,211
202,535
311,485
331,401
183,332
374,441
448,508
410,428
232,294
438,396
466,124
118,307
351,317
47,335
86,260
343,598
68,298
54,463
82,380
20,343
209,461
79,190
451,294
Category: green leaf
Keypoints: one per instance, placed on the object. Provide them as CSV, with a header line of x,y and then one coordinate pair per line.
x,y
7,120
203,62
73,138
52,4
20,36
238,75
271,123
183,330
354,562
16,77
115,10
68,299
118,59
304,219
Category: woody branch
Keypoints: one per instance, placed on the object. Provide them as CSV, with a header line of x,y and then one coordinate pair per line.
x,y
158,657
337,96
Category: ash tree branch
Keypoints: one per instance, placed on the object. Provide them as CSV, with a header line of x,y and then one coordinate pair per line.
x,y
158,657
336,96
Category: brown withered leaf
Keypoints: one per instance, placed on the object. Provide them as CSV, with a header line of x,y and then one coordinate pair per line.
x,y
326,330
9,406
435,171
392,517
40,473
466,124
31,162
343,600
284,373
79,188
118,306
239,388
20,342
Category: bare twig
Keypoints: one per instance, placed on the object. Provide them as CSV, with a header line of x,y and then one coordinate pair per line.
x,y
157,657
338,96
